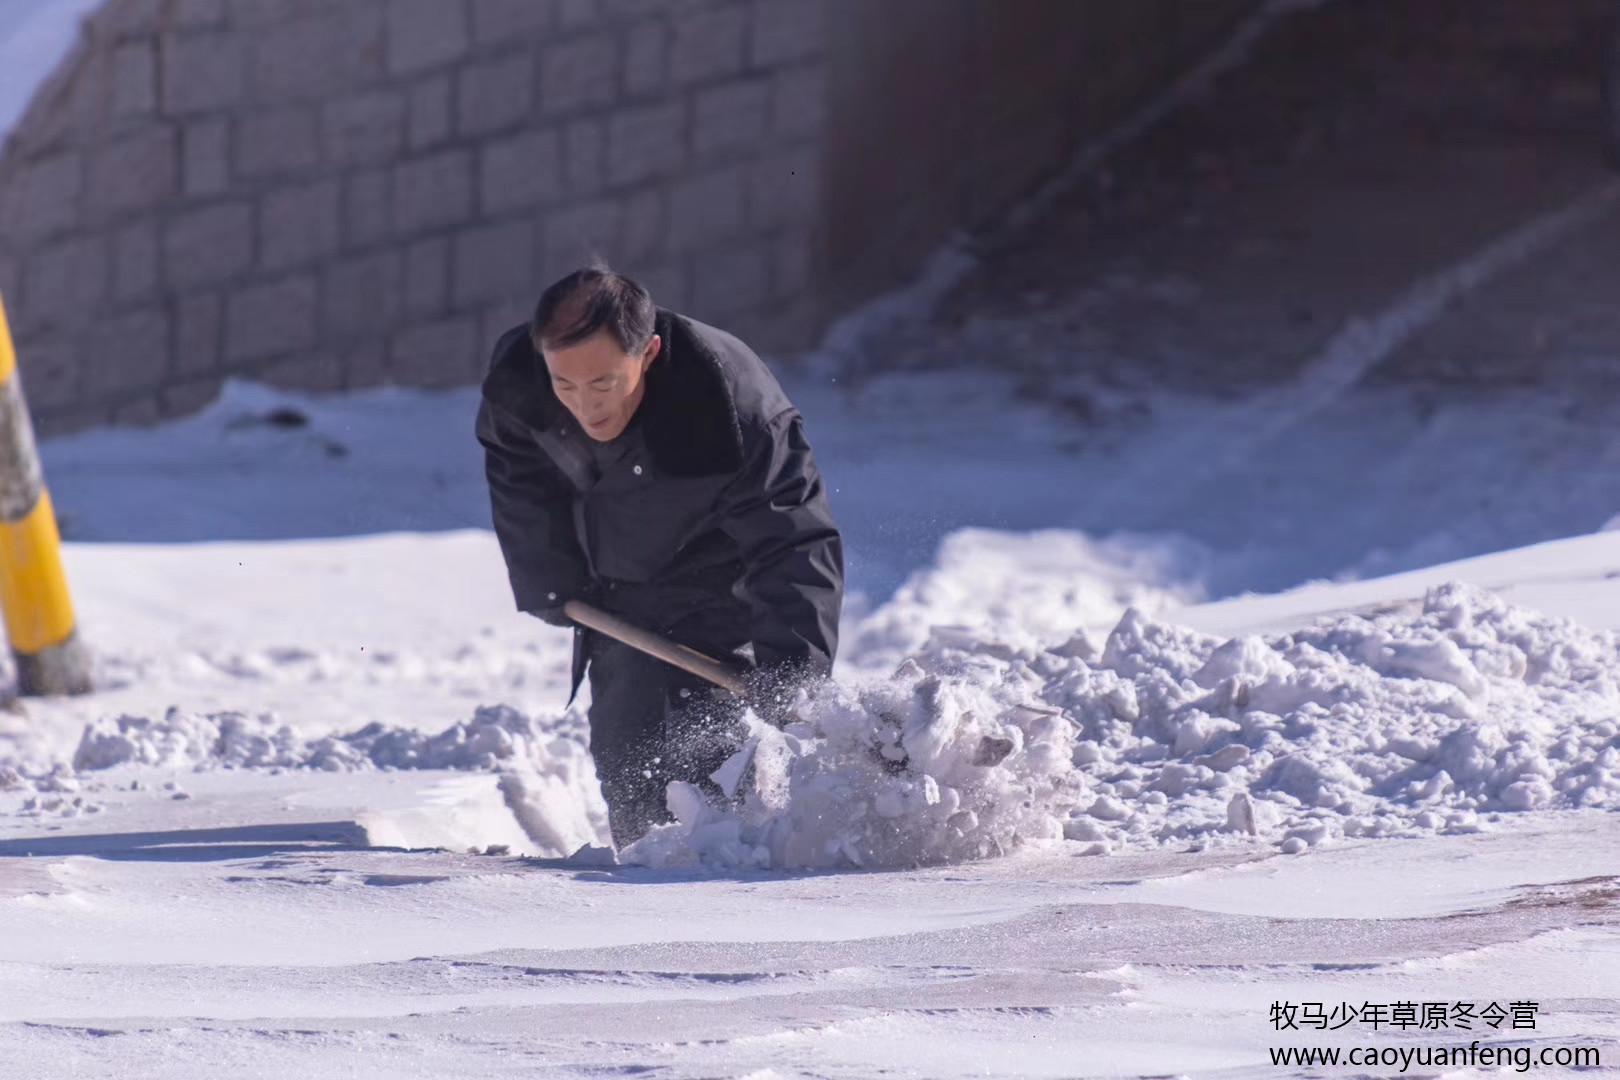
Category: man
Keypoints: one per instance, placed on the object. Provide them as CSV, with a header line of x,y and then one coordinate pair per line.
x,y
649,464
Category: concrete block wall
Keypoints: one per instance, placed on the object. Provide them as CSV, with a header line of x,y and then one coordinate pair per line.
x,y
328,194
332,194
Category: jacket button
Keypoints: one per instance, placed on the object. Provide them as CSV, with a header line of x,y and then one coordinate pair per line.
x,y
551,596
637,470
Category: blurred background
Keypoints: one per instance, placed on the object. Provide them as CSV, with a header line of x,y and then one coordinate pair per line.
x,y
1257,291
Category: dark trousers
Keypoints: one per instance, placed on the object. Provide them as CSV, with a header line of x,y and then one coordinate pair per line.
x,y
652,723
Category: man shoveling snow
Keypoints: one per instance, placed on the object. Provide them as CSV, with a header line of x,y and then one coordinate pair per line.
x,y
651,466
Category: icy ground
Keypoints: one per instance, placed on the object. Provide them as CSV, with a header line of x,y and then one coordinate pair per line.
x,y
252,853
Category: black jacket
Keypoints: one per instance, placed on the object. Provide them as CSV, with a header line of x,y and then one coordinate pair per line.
x,y
712,529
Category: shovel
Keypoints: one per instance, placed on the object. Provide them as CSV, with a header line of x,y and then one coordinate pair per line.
x,y
687,659
683,657
991,751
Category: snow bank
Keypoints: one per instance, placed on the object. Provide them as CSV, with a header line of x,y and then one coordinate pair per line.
x,y
1388,725
495,736
547,776
1407,721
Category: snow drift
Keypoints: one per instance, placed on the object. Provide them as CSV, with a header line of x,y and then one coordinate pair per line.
x,y
1411,720
1392,724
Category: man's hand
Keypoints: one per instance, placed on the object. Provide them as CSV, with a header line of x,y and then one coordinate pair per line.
x,y
554,616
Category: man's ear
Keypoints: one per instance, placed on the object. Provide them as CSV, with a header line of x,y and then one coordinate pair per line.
x,y
650,353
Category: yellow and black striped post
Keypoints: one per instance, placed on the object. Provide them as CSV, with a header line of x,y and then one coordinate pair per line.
x,y
33,588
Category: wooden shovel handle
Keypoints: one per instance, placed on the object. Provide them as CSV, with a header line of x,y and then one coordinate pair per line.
x,y
668,651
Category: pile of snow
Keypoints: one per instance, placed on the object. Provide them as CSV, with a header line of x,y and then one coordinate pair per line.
x,y
1395,724
546,772
1408,721
1029,590
495,736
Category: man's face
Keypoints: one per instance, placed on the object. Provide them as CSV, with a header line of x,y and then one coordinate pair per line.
x,y
599,383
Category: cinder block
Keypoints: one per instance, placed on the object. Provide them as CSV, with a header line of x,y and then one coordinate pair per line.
x,y
430,112
793,256
365,363
299,225
10,281
278,143
142,410
787,30
368,200
206,149
427,276
585,157
41,198
316,372
424,34
65,283
521,172
708,45
708,210
52,373
495,94
579,74
730,118
183,399
135,261
495,321
798,103
209,245
197,14
259,15
319,51
779,327
199,317
268,320
786,188
727,282
126,352
124,20
494,263
363,296
579,233
576,14
134,79
136,172
501,22
366,128
436,354
203,72
432,191
646,227
77,101
668,283
646,142
646,58
640,10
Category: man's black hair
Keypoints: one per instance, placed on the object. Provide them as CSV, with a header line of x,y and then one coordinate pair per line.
x,y
592,299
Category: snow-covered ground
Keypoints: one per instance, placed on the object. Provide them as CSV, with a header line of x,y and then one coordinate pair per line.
x,y
313,822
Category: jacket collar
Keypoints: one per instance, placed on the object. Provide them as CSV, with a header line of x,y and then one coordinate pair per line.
x,y
688,417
